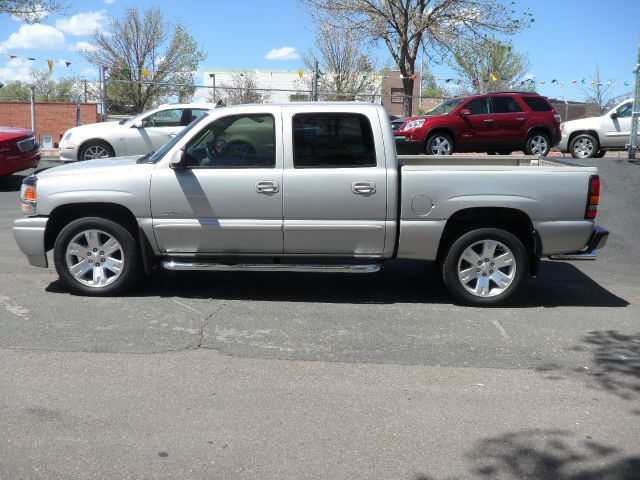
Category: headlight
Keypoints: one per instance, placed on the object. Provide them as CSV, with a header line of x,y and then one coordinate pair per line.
x,y
28,195
67,137
413,124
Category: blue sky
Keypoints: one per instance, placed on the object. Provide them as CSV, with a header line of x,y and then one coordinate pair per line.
x,y
568,39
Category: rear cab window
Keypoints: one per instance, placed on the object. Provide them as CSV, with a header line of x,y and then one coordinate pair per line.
x,y
332,140
537,104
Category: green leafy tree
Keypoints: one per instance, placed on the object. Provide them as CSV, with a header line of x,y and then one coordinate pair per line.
x,y
408,27
490,65
148,59
430,86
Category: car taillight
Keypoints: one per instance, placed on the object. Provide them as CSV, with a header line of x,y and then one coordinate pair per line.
x,y
557,117
593,197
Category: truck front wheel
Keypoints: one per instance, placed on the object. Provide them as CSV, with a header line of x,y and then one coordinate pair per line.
x,y
484,267
96,256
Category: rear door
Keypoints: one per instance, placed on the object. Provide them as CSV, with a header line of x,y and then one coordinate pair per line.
x,y
335,183
509,121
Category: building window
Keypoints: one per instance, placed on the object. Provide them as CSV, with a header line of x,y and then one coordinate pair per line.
x,y
397,94
46,141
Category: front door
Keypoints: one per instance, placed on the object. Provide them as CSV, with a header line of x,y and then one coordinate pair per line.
x,y
479,128
617,130
335,184
229,198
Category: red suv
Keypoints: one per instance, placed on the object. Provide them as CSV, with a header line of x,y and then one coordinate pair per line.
x,y
498,122
18,150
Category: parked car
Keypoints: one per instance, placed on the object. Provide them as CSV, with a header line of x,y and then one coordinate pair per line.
x,y
498,122
139,135
592,137
314,187
18,150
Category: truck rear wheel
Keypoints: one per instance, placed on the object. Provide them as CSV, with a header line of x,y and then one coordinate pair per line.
x,y
485,267
96,256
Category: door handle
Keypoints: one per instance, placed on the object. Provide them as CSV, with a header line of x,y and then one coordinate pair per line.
x,y
267,186
363,187
488,120
520,119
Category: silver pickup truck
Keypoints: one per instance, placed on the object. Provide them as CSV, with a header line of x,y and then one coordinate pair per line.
x,y
307,187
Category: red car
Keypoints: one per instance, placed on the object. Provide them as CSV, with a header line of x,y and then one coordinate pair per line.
x,y
498,122
18,150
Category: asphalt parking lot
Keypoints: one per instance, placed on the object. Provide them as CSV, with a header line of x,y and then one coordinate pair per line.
x,y
246,375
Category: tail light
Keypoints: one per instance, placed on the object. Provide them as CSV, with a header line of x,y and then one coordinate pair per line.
x,y
557,117
593,197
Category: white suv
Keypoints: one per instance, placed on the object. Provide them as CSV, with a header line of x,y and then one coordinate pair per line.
x,y
592,137
139,135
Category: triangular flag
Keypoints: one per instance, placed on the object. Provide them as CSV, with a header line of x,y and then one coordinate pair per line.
x,y
574,81
13,56
561,84
145,72
554,81
300,73
105,69
30,58
125,70
493,77
504,79
67,63
449,80
50,63
583,81
541,82
474,82
626,84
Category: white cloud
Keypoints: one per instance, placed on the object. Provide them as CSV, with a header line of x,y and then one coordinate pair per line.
x,y
109,2
16,69
282,53
82,23
34,37
82,45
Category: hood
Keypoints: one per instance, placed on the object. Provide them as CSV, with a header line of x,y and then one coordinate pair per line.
x,y
95,129
10,133
580,123
91,167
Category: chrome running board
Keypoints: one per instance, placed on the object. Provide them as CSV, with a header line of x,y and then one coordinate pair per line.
x,y
592,255
269,267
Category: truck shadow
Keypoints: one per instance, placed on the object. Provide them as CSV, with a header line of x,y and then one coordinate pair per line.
x,y
11,183
561,284
548,454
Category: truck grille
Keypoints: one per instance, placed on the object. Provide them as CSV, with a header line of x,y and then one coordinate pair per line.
x,y
27,144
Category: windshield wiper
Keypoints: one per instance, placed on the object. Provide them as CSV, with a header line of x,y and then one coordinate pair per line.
x,y
144,158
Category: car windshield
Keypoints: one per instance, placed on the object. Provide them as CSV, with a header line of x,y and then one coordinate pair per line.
x,y
156,156
445,107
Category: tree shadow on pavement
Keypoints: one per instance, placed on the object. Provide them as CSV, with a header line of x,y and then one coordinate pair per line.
x,y
401,281
548,455
616,359
11,183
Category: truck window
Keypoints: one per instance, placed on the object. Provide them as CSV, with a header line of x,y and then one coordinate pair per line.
x,y
332,140
235,141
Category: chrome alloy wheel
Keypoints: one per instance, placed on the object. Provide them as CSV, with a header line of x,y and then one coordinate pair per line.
x,y
583,147
94,258
539,145
486,268
440,146
95,151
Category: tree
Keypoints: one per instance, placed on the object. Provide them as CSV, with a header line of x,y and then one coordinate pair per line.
x,y
31,11
47,89
147,59
242,88
346,71
407,27
600,94
489,65
430,87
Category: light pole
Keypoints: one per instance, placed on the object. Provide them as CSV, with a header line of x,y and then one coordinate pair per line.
x,y
212,76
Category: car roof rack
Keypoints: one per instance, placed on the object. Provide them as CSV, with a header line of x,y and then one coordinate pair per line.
x,y
515,91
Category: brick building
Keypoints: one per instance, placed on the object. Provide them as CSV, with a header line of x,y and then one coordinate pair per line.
x,y
392,100
52,119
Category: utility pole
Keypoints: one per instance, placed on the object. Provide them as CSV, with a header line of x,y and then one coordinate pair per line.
x,y
212,76
635,114
314,82
85,91
33,108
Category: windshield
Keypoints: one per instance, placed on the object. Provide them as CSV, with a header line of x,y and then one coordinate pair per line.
x,y
155,157
445,107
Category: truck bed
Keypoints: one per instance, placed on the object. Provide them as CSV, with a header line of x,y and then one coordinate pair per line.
x,y
484,161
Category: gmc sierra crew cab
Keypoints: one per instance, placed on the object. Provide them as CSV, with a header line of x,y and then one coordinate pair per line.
x,y
307,187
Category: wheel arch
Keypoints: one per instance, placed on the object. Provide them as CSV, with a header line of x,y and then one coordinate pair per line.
x,y
95,140
511,220
583,131
538,128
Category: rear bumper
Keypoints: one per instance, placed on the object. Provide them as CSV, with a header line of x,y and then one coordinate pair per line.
x,y
29,235
597,241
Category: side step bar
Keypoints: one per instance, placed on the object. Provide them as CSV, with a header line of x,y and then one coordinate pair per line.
x,y
269,267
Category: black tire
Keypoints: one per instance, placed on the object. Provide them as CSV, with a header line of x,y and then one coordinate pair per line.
x,y
600,154
101,260
91,148
584,146
439,144
537,143
469,249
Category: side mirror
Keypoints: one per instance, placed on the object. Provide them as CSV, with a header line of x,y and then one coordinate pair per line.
x,y
137,124
179,160
465,112
614,115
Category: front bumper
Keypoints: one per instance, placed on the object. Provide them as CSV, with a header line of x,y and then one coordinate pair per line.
x,y
597,241
15,163
29,235
405,146
563,144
